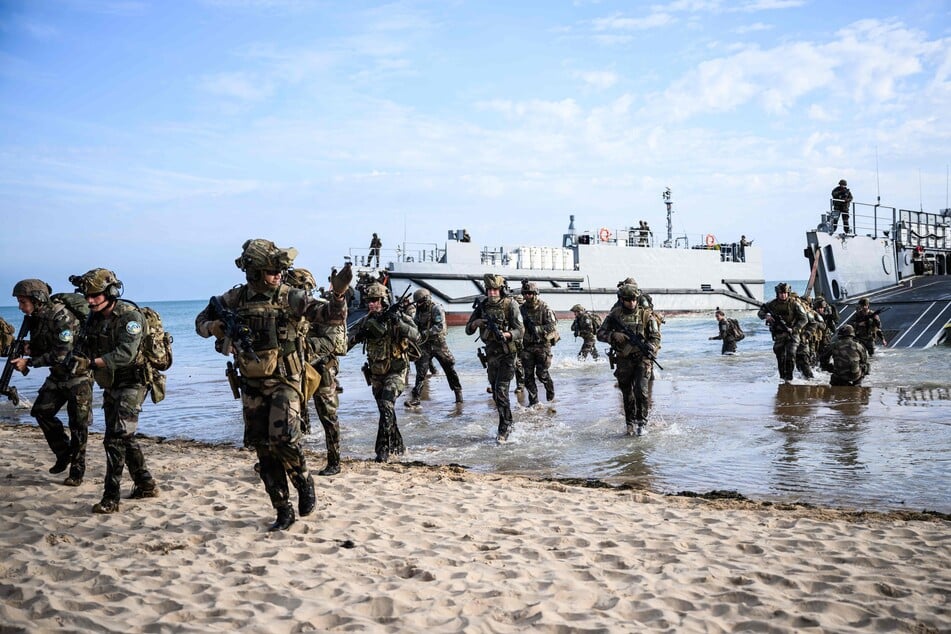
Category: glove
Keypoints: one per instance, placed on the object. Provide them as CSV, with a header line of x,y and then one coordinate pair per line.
x,y
618,338
80,365
340,281
216,328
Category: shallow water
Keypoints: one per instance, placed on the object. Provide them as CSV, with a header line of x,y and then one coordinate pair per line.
x,y
718,423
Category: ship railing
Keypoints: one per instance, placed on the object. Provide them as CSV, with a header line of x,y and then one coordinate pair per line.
x,y
931,232
407,252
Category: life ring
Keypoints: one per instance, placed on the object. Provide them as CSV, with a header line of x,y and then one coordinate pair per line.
x,y
604,234
710,240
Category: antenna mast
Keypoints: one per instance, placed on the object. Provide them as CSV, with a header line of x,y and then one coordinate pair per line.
x,y
670,227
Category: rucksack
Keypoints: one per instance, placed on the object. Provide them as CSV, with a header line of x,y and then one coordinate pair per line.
x,y
156,343
74,302
595,321
737,330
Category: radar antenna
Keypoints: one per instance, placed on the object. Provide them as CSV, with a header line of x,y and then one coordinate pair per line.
x,y
670,228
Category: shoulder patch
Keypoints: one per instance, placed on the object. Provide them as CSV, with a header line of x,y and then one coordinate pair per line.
x,y
133,327
66,336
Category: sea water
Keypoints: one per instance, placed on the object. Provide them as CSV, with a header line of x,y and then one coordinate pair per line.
x,y
717,422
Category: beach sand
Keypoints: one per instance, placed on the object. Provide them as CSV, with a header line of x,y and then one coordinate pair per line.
x,y
396,548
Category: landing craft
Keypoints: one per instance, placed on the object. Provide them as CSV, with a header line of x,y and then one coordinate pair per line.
x,y
682,274
898,259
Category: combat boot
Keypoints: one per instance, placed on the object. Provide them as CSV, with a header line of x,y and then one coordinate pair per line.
x,y
105,506
630,429
306,497
73,481
62,461
285,517
146,490
458,393
330,469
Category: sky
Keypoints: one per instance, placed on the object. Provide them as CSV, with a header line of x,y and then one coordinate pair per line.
x,y
153,138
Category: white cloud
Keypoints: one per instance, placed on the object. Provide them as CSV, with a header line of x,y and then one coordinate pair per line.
x,y
600,79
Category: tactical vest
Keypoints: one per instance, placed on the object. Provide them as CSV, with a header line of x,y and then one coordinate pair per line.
x,y
273,334
103,337
537,315
785,310
426,319
45,334
638,321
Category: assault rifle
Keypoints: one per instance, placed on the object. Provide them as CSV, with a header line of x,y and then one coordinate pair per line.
x,y
397,306
779,322
16,351
236,333
864,319
635,339
532,329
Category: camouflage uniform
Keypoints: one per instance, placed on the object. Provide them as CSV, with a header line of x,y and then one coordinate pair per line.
x,y
583,326
634,368
841,205
271,371
725,333
113,333
868,326
430,319
846,359
500,354
386,338
785,331
536,343
326,339
7,337
54,330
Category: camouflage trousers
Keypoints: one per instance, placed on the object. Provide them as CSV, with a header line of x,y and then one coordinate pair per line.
x,y
76,395
326,402
386,389
501,370
535,363
439,350
588,347
633,375
785,347
121,407
272,426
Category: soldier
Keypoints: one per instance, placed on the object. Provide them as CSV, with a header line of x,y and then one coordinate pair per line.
x,y
841,205
785,318
830,317
634,366
112,341
326,339
846,359
585,326
499,323
54,331
430,319
868,326
541,330
389,338
375,245
727,333
259,323
6,337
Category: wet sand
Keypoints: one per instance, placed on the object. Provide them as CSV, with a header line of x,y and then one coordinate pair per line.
x,y
395,548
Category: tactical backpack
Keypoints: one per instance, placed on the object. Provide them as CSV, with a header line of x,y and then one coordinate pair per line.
x,y
737,330
595,321
74,302
155,351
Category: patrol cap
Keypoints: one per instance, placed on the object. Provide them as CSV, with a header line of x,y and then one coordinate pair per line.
x,y
37,290
529,287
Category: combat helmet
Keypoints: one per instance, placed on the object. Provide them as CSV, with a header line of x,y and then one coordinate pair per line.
x,y
842,182
627,291
847,331
37,290
302,279
422,296
264,255
376,291
96,281
493,281
577,308
782,287
529,287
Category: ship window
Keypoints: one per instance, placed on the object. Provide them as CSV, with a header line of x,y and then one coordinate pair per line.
x,y
829,257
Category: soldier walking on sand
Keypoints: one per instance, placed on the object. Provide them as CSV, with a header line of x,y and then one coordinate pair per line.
x,y
258,322
54,330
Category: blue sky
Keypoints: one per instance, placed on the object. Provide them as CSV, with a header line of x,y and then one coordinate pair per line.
x,y
153,138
